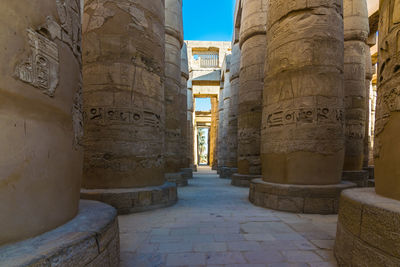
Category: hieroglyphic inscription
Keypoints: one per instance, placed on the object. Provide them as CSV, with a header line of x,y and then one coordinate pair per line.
x,y
122,116
40,69
317,115
77,116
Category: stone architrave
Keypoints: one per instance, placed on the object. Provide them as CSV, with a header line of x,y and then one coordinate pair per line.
x,y
356,31
123,73
252,44
174,154
40,117
387,125
303,115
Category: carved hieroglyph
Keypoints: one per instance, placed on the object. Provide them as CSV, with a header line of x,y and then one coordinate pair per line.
x,y
252,43
123,93
387,125
356,29
41,68
303,114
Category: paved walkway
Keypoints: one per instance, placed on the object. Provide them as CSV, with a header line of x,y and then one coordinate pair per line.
x,y
213,224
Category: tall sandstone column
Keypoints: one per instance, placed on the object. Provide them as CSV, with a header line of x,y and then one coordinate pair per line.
x,y
174,154
252,44
356,30
303,124
214,133
190,121
368,224
232,127
123,72
183,105
220,138
225,169
40,117
387,125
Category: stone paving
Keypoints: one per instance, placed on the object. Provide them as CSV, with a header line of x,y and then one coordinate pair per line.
x,y
214,224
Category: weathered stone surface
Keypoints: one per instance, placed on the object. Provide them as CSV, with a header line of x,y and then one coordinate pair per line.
x,y
368,229
312,199
356,30
303,114
89,239
40,116
220,139
175,127
243,180
132,200
387,124
123,74
227,103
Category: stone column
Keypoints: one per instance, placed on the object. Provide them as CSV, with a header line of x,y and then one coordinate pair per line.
x,y
225,170
368,224
214,133
220,140
187,172
387,125
123,71
40,139
303,115
252,44
174,155
233,123
190,122
369,72
356,30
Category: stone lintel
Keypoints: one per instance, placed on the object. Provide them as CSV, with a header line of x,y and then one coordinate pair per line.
x,y
368,232
360,178
90,239
309,199
227,172
132,200
243,180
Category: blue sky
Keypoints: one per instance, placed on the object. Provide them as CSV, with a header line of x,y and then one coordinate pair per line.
x,y
203,104
208,20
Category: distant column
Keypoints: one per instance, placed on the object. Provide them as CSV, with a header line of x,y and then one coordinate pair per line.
x,y
220,141
190,123
124,105
356,29
303,115
214,133
233,118
252,44
225,171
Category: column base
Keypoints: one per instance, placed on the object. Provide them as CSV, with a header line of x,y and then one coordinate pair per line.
x,y
187,172
131,200
368,229
178,177
90,239
227,172
371,175
214,168
360,178
243,180
309,199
